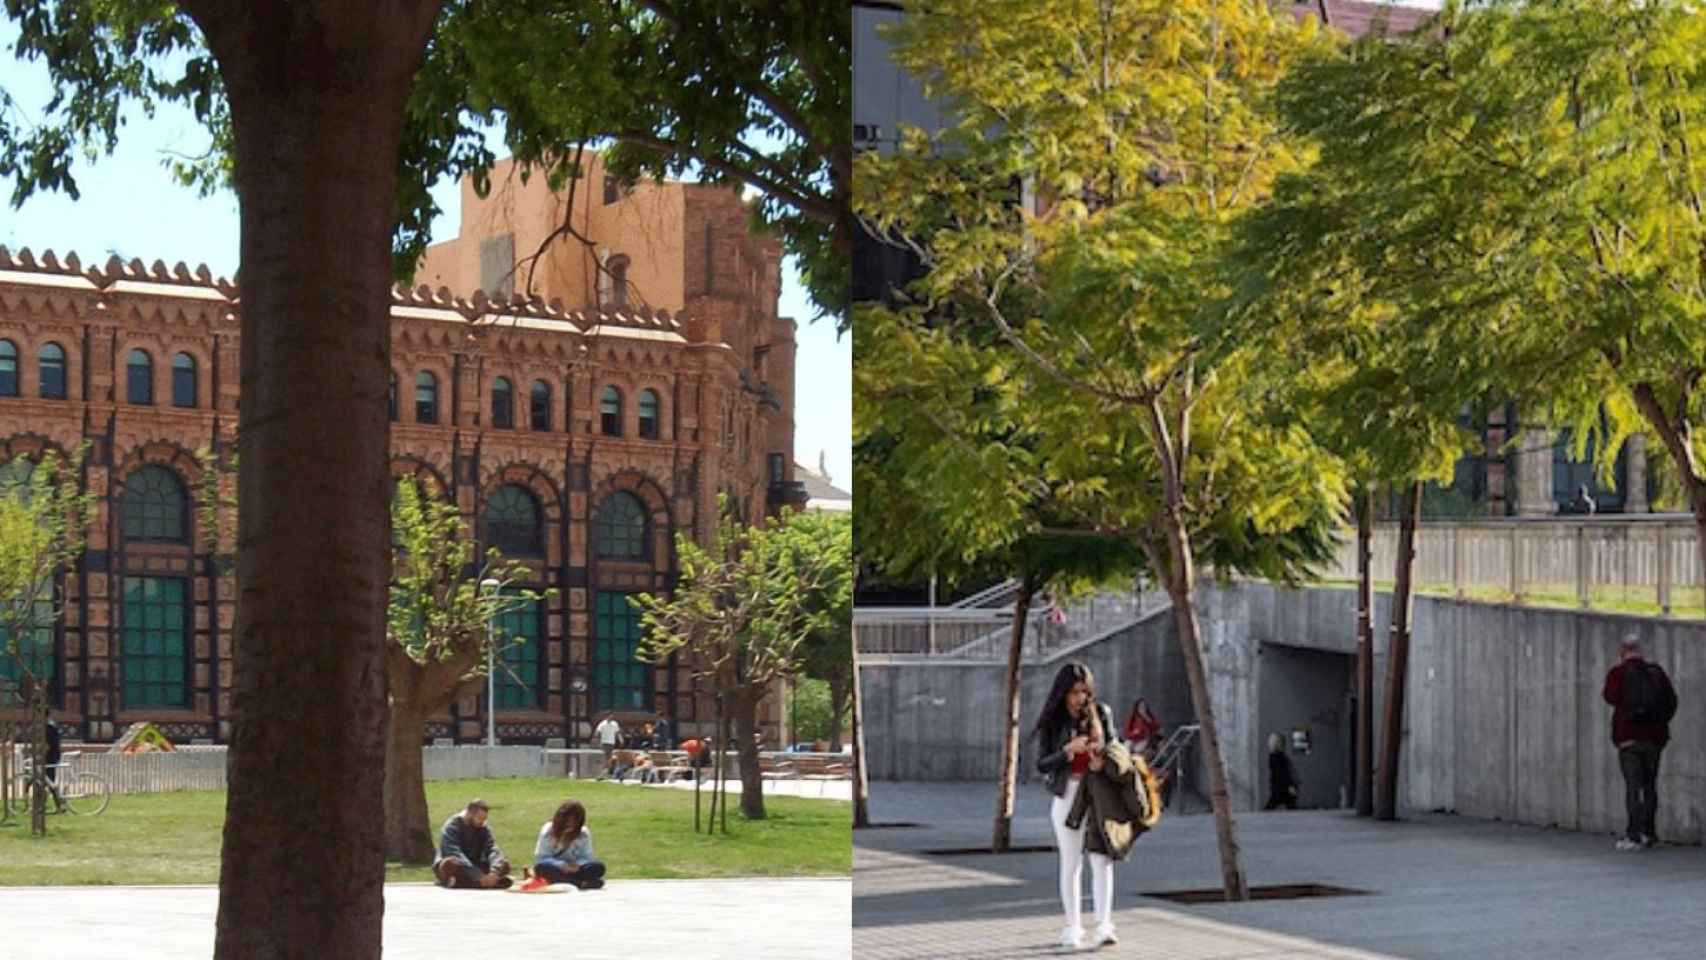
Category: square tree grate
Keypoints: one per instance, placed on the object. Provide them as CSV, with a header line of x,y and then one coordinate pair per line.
x,y
986,852
1277,891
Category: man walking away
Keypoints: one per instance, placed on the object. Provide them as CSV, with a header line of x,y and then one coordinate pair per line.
x,y
1643,702
607,733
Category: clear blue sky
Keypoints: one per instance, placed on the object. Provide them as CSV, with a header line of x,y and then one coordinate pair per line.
x,y
130,206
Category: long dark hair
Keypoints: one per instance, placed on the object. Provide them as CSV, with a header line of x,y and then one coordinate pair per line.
x,y
571,812
1054,715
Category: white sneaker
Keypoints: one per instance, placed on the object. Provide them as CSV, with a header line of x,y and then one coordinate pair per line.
x,y
1648,841
1072,938
1105,935
1627,844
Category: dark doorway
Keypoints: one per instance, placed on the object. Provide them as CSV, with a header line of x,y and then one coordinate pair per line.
x,y
1302,696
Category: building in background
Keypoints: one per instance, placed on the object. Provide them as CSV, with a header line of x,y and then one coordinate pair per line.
x,y
579,436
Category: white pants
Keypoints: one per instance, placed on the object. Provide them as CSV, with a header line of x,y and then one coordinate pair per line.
x,y
1070,843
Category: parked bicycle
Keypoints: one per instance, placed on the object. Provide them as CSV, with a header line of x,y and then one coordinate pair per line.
x,y
82,792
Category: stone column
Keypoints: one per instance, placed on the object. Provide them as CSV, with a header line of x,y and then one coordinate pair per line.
x,y
1635,477
1534,473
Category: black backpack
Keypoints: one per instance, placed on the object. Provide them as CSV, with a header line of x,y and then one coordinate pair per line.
x,y
1645,695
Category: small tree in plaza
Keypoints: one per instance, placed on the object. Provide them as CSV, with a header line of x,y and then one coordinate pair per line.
x,y
742,610
44,518
827,653
439,638
1080,209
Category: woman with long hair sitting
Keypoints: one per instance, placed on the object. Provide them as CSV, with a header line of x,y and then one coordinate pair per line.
x,y
564,854
1071,733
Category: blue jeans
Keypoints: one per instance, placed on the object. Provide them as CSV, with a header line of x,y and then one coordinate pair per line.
x,y
557,871
1640,763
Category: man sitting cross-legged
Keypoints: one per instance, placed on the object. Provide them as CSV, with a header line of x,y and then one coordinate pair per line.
x,y
468,857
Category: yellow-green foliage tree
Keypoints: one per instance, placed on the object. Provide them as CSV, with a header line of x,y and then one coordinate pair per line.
x,y
44,516
1079,209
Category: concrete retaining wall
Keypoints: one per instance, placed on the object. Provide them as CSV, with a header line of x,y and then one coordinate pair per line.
x,y
203,767
1503,715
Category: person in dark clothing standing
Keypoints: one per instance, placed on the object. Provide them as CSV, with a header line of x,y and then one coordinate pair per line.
x,y
468,856
1643,703
1282,777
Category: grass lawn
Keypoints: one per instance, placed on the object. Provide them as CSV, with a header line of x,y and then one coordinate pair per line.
x,y
639,832
1685,600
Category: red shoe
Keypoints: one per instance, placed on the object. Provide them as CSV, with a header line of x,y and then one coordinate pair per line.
x,y
533,883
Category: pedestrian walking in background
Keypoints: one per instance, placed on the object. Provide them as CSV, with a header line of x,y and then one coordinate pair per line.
x,y
1072,733
1282,775
1643,702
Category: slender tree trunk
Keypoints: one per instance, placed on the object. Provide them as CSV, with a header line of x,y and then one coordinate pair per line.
x,y
861,781
1003,838
38,752
722,781
1365,653
1398,656
1181,588
1677,433
408,830
317,93
838,693
746,747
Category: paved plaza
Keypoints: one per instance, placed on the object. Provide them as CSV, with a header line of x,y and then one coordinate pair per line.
x,y
1439,886
702,919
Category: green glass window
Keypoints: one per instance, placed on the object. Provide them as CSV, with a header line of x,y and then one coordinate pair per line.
x,y
183,380
512,523
39,650
619,681
620,527
154,638
503,404
8,369
52,379
610,412
519,677
139,377
649,414
539,405
426,397
154,506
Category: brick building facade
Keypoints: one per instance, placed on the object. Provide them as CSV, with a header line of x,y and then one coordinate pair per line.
x,y
580,440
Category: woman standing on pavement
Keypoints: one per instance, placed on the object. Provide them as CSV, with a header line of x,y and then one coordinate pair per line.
x,y
1071,733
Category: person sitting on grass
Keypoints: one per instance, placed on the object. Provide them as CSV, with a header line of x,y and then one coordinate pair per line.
x,y
564,854
468,856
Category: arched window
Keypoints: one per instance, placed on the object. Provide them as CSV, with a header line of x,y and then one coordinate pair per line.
x,y
426,397
610,412
503,404
618,267
51,362
183,380
391,398
154,640
520,631
15,479
539,405
620,527
139,377
649,414
154,506
8,369
512,522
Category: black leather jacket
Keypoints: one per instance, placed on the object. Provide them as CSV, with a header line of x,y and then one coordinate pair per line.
x,y
1052,761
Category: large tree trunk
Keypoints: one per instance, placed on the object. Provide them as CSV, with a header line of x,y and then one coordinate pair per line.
x,y
1003,838
746,747
1398,656
317,93
1181,589
417,692
1365,653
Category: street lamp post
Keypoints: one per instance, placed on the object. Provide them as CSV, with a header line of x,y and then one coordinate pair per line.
x,y
491,588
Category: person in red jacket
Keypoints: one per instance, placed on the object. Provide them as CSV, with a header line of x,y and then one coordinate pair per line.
x,y
1640,726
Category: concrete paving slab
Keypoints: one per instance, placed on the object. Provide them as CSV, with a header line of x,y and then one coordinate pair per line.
x,y
1439,886
723,919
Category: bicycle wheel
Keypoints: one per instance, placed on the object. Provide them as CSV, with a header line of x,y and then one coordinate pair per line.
x,y
85,793
19,801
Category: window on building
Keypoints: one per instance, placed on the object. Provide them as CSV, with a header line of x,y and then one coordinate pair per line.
x,y
37,651
618,267
1569,476
619,680
518,684
539,406
503,404
8,369
154,506
426,397
649,414
183,380
612,190
15,480
610,412
51,362
513,522
391,398
139,377
620,527
153,638
778,468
